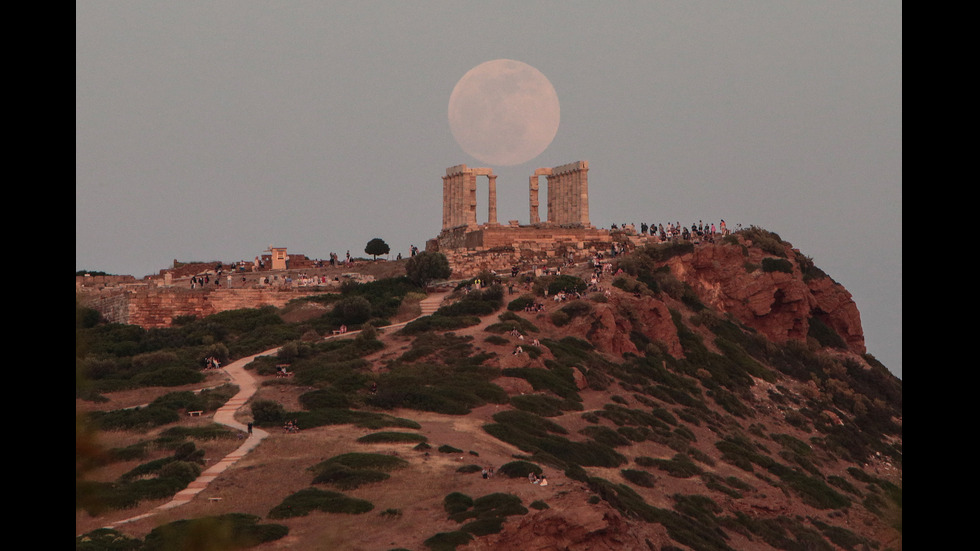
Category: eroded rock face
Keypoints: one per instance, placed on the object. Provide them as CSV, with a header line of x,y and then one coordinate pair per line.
x,y
609,326
581,527
779,305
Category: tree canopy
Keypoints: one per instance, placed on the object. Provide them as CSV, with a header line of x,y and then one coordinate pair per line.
x,y
377,246
427,266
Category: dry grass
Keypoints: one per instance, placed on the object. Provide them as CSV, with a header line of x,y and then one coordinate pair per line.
x,y
279,467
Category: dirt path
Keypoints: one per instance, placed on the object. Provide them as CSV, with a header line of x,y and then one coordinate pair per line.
x,y
226,416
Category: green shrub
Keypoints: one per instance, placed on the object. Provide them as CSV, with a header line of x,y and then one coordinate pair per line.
x,y
370,461
560,318
766,240
346,478
106,539
537,435
496,339
231,531
363,419
351,470
640,478
770,264
680,466
467,469
520,303
542,404
324,398
484,526
539,505
576,308
427,266
438,322
605,435
352,310
307,500
267,413
456,502
824,334
519,469
448,541
566,283
558,381
391,437
446,448
495,505
170,376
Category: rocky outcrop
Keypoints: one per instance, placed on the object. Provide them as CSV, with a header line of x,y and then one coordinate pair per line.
x,y
610,325
779,304
584,527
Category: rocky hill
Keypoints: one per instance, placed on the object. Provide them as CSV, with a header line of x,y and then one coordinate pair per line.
x,y
708,397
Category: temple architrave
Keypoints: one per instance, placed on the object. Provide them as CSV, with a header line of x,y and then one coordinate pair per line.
x,y
472,247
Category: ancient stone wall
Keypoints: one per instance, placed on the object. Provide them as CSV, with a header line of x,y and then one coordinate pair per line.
x,y
157,307
568,195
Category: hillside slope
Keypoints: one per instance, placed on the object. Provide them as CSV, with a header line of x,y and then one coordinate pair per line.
x,y
691,397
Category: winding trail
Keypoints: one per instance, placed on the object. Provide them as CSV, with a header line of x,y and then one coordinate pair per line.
x,y
226,416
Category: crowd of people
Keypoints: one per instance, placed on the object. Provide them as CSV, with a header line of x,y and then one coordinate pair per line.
x,y
535,479
674,230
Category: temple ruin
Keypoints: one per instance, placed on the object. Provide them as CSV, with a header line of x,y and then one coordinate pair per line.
x,y
473,246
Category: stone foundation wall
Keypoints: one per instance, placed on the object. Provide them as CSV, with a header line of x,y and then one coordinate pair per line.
x,y
499,248
157,307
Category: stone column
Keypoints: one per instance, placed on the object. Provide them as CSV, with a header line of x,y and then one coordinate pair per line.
x,y
469,181
492,200
445,202
533,198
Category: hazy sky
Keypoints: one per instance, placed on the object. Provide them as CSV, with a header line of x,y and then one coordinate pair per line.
x,y
210,130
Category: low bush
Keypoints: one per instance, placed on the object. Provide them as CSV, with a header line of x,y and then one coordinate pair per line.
x,y
519,469
543,404
103,539
560,318
680,466
566,283
640,478
777,265
537,435
358,461
392,437
495,505
448,541
438,322
231,531
308,500
497,339
520,303
484,526
346,478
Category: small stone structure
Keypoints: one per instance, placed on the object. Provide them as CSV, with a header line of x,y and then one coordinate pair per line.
x,y
472,247
279,258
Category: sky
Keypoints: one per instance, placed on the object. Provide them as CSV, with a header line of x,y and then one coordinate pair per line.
x,y
212,130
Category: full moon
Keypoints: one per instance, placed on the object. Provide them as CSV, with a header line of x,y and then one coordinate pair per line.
x,y
504,112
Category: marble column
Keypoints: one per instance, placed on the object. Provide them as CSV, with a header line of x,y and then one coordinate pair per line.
x,y
492,200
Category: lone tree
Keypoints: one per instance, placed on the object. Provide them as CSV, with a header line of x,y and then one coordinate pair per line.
x,y
427,266
376,246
